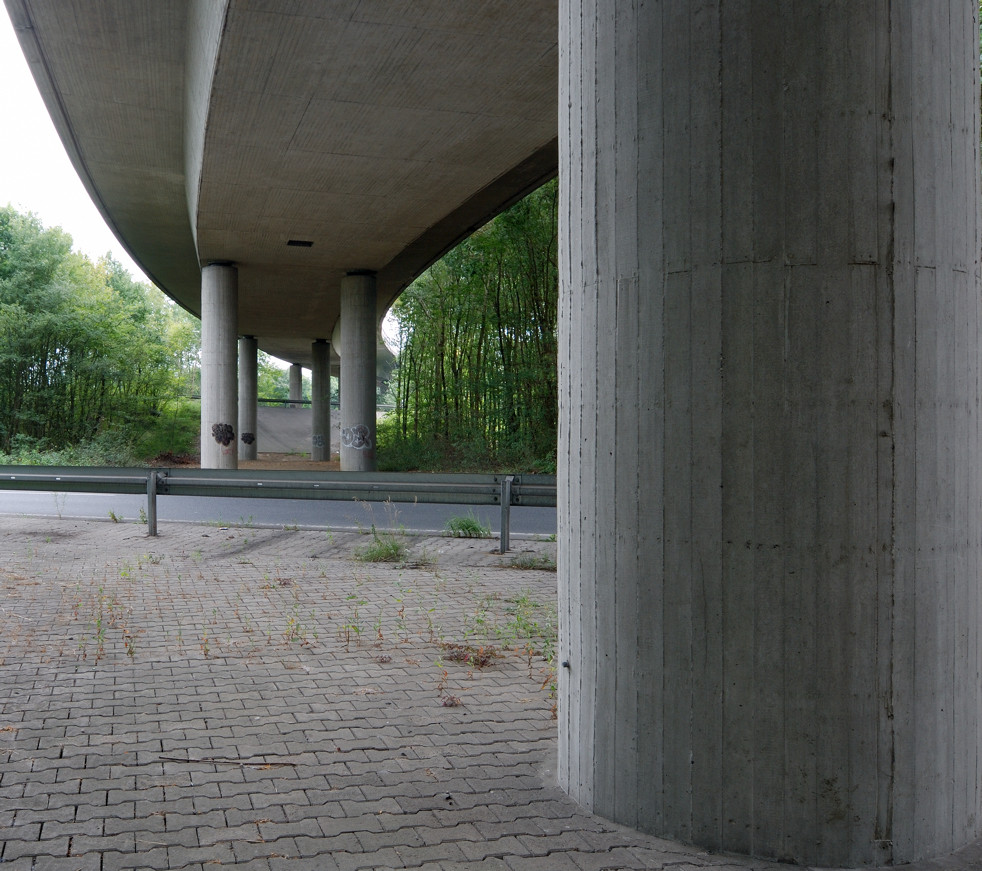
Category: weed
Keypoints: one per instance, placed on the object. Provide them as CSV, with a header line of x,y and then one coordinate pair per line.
x,y
537,627
114,517
451,701
385,547
143,514
430,626
476,657
421,560
479,624
352,626
534,561
467,526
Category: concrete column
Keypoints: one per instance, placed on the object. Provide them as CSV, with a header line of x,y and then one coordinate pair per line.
x,y
248,394
320,394
358,356
769,456
296,384
219,406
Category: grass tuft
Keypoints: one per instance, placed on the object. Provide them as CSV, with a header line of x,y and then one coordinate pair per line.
x,y
385,547
467,526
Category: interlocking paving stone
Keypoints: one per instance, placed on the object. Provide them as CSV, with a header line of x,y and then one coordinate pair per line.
x,y
223,697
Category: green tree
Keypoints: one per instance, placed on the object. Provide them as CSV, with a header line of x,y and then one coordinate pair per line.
x,y
84,349
477,373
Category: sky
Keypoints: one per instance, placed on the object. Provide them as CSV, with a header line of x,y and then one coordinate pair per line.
x,y
35,172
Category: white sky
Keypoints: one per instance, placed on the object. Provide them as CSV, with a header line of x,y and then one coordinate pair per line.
x,y
35,172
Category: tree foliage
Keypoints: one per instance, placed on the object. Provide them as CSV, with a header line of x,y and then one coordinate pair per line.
x,y
84,349
477,366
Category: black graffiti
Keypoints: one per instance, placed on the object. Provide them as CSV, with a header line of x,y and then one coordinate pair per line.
x,y
223,433
248,438
358,437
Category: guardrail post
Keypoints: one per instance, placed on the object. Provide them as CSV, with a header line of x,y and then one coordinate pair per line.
x,y
152,503
506,483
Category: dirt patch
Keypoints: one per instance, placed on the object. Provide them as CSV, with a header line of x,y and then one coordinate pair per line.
x,y
290,461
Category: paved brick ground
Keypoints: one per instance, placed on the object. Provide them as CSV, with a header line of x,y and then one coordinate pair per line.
x,y
260,699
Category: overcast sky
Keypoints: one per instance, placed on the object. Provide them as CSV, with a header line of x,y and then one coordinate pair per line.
x,y
35,172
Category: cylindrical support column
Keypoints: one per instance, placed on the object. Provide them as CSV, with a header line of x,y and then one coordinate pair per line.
x,y
296,385
770,497
320,395
219,387
358,356
248,396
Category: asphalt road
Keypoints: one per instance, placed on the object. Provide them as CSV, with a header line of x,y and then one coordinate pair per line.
x,y
271,512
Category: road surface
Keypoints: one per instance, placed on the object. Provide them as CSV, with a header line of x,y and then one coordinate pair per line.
x,y
226,511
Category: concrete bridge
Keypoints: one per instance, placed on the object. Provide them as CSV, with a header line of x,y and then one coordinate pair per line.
x,y
284,170
771,502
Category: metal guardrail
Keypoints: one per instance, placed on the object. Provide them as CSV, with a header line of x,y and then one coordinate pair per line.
x,y
503,490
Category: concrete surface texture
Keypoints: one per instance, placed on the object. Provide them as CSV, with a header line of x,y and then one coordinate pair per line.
x,y
248,381
296,382
287,430
319,436
219,367
222,130
357,382
770,455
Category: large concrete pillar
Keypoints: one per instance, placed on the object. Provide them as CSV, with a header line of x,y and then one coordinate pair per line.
x,y
320,395
219,326
248,396
770,500
296,384
358,356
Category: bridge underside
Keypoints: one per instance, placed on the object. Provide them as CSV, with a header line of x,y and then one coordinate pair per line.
x,y
770,492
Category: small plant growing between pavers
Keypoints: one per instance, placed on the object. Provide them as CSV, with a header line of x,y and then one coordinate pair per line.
x,y
377,625
481,623
536,626
476,657
351,627
451,701
533,562
467,526
385,547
